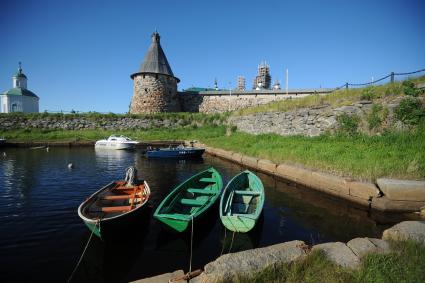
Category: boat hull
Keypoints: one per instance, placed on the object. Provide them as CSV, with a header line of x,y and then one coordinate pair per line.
x,y
118,146
242,202
114,209
190,201
114,228
176,153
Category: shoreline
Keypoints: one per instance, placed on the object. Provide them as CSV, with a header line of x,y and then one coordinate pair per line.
x,y
404,198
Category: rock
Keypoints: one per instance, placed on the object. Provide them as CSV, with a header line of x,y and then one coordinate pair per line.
x,y
402,189
251,261
339,253
382,245
363,246
163,278
406,230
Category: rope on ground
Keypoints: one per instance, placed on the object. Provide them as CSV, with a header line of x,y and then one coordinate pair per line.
x,y
224,242
84,251
191,248
231,243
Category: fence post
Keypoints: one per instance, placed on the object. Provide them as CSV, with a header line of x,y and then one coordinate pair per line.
x,y
392,77
346,85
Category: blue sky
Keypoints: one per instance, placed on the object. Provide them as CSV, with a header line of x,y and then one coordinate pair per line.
x,y
80,54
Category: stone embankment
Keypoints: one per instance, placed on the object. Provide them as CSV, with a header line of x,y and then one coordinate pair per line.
x,y
229,267
85,123
312,121
387,195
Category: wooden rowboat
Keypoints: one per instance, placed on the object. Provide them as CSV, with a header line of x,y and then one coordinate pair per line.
x,y
114,207
242,202
190,200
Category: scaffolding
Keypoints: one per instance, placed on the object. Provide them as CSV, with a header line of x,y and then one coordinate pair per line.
x,y
263,78
241,83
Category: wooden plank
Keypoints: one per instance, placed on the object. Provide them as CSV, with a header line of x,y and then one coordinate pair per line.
x,y
248,193
118,197
208,180
116,208
201,191
192,202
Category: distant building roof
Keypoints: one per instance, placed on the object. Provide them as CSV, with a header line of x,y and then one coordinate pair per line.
x,y
155,60
198,89
19,91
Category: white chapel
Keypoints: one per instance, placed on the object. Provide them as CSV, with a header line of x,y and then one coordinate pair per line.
x,y
19,98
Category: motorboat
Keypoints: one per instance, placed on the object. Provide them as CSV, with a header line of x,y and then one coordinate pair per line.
x,y
116,142
175,152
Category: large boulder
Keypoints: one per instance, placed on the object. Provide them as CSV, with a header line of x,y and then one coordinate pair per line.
x,y
406,230
251,261
363,246
340,254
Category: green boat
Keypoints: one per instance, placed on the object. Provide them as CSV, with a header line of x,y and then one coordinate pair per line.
x,y
242,202
190,200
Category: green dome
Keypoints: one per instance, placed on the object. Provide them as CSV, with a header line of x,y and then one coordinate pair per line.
x,y
19,91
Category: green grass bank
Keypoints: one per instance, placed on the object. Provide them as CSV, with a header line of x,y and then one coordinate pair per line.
x,y
393,154
406,263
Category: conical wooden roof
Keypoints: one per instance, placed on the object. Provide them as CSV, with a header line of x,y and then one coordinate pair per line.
x,y
155,60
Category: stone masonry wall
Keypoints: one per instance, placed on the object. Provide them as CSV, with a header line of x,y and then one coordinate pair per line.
x,y
309,121
191,102
8,122
154,93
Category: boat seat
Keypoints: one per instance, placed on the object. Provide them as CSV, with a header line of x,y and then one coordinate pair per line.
x,y
193,202
118,197
116,208
201,191
247,193
250,216
208,180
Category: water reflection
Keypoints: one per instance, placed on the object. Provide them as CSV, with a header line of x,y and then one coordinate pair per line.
x,y
40,228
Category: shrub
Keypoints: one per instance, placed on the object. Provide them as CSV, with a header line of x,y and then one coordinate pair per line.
x,y
410,111
368,93
409,88
348,124
374,119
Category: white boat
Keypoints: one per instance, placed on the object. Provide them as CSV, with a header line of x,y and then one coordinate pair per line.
x,y
114,142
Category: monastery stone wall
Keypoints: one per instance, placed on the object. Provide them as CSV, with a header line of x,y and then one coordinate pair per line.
x,y
194,102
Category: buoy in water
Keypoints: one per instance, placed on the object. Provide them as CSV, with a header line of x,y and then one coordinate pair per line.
x,y
47,149
70,166
4,154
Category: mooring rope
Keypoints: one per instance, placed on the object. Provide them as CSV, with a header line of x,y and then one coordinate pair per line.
x,y
224,242
191,248
84,251
231,243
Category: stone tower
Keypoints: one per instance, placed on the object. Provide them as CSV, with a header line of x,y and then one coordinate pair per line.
x,y
155,86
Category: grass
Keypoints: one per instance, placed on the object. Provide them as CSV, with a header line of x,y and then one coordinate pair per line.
x,y
393,154
406,263
183,133
335,99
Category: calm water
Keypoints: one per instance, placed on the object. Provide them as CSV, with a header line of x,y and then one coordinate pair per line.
x,y
42,237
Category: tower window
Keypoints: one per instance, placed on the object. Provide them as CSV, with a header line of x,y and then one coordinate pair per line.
x,y
156,76
146,90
